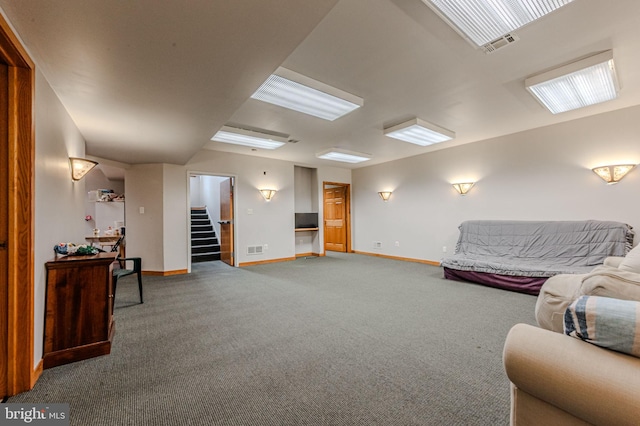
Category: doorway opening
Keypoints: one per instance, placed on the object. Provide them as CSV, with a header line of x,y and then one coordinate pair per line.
x,y
105,183
211,224
337,216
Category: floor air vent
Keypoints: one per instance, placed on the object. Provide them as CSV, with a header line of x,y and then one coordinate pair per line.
x,y
499,43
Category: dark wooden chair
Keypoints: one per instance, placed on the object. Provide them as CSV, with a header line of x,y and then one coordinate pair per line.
x,y
122,270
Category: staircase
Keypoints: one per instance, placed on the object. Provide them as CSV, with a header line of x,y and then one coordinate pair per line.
x,y
205,246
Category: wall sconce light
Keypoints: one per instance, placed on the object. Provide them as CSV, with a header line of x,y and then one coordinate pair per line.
x,y
268,193
385,195
613,174
80,167
463,188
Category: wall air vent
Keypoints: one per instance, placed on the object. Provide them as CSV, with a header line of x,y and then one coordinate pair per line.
x,y
499,43
254,249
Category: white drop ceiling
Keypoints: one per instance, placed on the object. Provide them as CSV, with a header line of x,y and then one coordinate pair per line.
x,y
149,82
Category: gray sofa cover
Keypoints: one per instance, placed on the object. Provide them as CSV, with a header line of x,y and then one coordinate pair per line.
x,y
536,248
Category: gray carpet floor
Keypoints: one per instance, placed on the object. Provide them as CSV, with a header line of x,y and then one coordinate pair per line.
x,y
341,340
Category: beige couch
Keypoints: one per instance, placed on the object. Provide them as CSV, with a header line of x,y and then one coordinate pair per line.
x,y
559,291
561,380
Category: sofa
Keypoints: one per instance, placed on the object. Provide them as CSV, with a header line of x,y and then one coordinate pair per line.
x,y
522,255
558,380
618,277
582,365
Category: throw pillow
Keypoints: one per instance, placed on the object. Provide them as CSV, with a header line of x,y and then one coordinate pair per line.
x,y
604,321
631,261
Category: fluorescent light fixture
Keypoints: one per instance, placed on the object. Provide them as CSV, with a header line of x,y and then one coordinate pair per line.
x,y
463,188
483,21
419,132
338,154
579,84
613,174
80,167
250,138
295,91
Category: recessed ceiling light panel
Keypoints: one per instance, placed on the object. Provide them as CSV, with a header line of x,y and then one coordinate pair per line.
x,y
419,132
483,21
250,138
339,154
295,91
582,83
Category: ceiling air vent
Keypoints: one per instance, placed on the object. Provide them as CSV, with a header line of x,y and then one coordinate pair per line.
x,y
499,43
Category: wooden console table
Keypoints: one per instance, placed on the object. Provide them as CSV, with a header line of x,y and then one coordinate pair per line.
x,y
79,308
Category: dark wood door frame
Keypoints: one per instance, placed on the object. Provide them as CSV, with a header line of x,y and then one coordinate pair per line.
x,y
17,332
347,219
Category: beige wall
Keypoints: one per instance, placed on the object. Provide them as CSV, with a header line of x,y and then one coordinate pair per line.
x,y
175,217
541,174
162,238
257,222
143,186
59,201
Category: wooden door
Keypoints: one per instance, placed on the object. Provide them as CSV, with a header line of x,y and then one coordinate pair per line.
x,y
4,227
226,221
335,215
17,166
